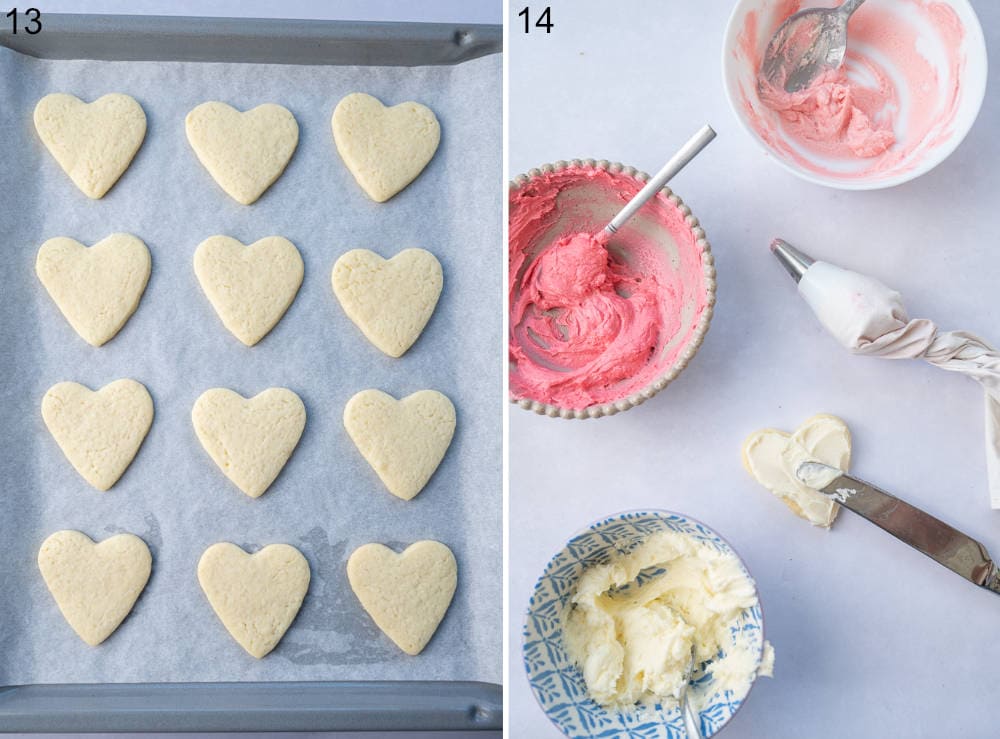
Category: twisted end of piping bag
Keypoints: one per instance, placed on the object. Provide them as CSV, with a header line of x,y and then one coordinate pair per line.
x,y
793,260
879,326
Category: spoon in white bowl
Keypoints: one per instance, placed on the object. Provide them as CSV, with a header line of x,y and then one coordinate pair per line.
x,y
677,162
806,45
684,700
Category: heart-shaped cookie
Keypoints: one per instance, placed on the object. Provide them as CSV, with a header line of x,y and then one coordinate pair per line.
x,y
244,152
406,594
97,289
256,596
250,287
772,457
384,148
390,300
403,440
94,585
93,142
98,431
249,439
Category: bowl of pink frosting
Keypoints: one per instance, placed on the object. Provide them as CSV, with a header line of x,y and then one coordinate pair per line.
x,y
909,90
600,324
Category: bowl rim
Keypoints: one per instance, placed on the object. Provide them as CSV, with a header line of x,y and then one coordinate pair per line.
x,y
708,283
658,513
974,29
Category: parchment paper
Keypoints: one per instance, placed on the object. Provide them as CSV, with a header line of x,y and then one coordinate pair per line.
x,y
327,501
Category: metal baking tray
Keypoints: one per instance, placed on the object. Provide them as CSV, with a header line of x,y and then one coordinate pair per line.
x,y
249,706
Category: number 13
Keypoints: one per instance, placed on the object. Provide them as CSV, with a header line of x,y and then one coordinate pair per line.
x,y
33,24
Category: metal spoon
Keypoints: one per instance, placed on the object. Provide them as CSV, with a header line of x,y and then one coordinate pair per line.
x,y
684,699
807,44
677,162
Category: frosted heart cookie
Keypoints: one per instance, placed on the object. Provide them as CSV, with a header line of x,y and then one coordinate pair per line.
x,y
250,287
390,300
249,439
97,289
406,594
94,585
256,596
93,142
244,152
384,148
403,440
98,431
772,457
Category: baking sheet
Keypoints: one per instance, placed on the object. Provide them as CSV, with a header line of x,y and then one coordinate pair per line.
x,y
266,40
327,501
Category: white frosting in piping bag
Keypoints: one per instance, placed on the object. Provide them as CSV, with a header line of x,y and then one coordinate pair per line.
x,y
869,318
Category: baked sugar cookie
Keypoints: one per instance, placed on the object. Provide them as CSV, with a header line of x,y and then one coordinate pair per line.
x,y
250,287
256,596
94,585
98,431
93,142
384,148
97,289
244,152
772,458
249,439
406,594
403,440
390,300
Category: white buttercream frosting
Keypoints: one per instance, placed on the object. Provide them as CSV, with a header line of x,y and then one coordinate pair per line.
x,y
854,308
633,641
816,474
773,458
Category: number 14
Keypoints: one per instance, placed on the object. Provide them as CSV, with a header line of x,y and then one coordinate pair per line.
x,y
544,20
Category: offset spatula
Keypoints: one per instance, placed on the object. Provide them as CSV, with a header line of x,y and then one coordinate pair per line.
x,y
939,541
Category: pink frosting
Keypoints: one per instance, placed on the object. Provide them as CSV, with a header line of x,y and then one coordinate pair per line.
x,y
881,109
594,320
836,116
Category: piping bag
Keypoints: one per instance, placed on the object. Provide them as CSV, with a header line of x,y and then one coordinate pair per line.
x,y
869,318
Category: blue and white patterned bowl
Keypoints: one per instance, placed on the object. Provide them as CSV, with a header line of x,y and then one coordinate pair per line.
x,y
558,684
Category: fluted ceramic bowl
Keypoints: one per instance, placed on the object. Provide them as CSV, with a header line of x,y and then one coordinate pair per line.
x,y
558,685
583,207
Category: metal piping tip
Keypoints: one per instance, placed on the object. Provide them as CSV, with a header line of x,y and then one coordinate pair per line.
x,y
794,261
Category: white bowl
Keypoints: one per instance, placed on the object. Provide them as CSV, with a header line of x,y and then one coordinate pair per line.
x,y
922,150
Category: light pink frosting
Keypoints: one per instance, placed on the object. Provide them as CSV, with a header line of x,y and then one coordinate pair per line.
x,y
887,103
836,116
593,320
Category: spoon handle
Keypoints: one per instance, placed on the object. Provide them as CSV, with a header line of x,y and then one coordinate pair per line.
x,y
848,7
679,160
690,721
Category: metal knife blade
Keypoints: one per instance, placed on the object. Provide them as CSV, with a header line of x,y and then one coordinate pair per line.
x,y
939,541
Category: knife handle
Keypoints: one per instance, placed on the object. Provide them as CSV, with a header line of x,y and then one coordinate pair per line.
x,y
929,535
993,580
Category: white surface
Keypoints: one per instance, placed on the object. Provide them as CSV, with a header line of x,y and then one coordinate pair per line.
x,y
872,638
